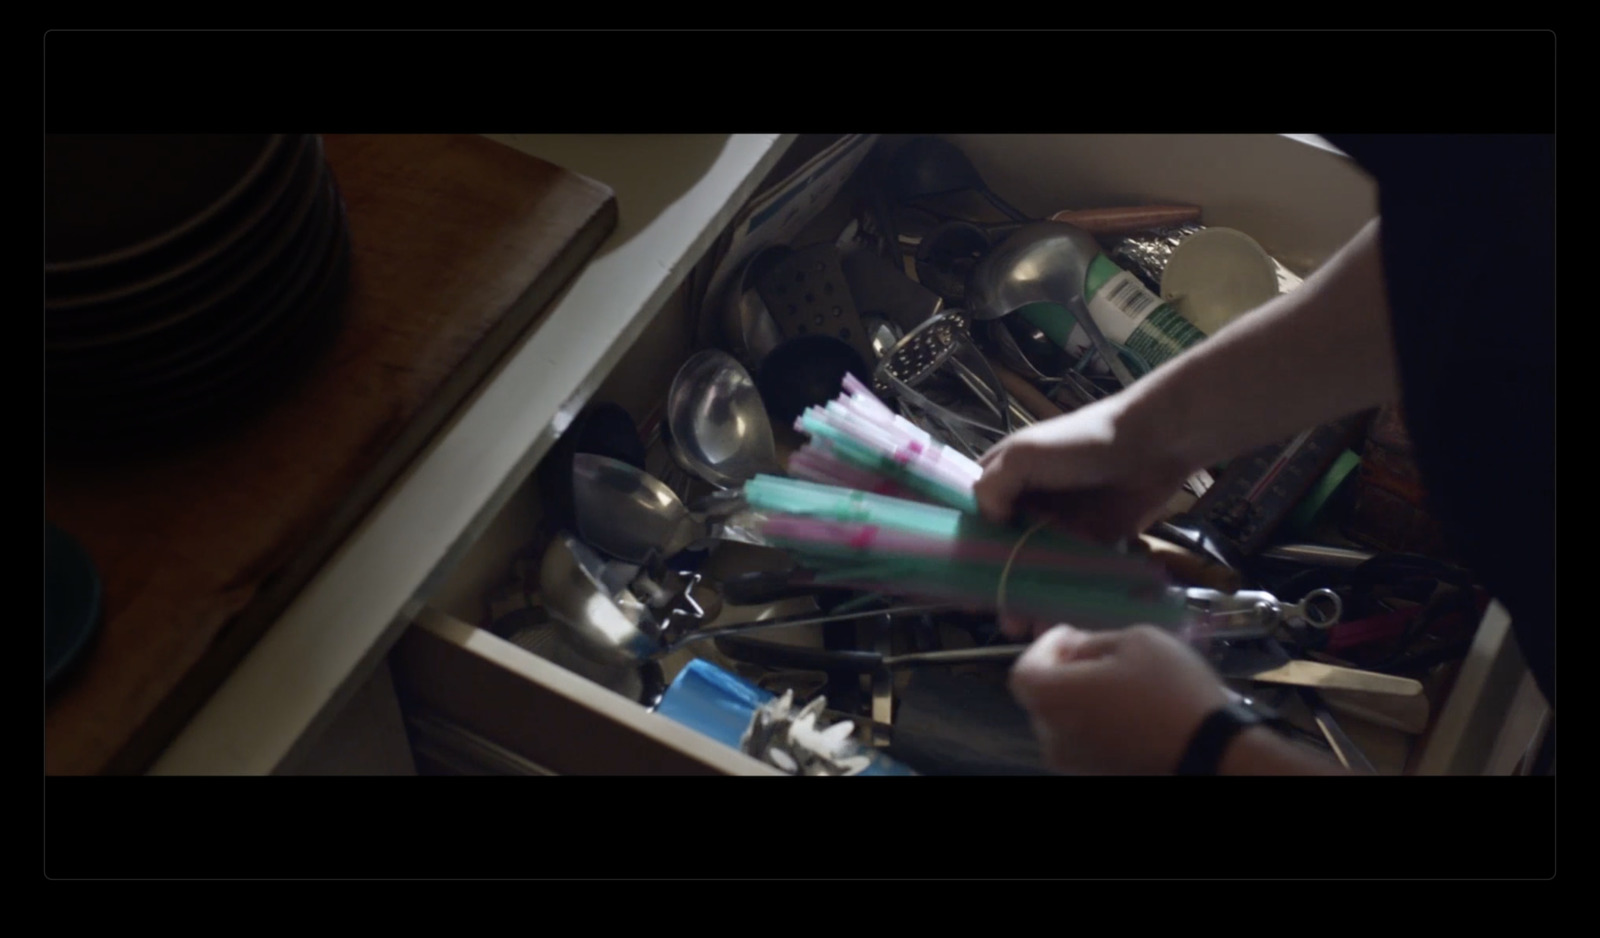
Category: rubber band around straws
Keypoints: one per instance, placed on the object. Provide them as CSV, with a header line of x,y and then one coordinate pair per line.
x,y
1005,572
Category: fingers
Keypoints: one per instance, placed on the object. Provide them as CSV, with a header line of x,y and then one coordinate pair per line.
x,y
1006,474
1055,665
1030,477
1065,644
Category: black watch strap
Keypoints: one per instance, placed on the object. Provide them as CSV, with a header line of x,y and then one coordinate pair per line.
x,y
1212,738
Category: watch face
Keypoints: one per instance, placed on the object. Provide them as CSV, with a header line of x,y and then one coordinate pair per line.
x,y
1244,713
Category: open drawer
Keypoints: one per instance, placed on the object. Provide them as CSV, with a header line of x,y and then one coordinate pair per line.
x,y
475,701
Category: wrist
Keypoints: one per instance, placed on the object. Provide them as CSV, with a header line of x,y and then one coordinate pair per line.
x,y
1152,425
1215,737
1248,752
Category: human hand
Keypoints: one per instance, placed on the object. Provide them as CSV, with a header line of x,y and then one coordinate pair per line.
x,y
1115,703
1097,472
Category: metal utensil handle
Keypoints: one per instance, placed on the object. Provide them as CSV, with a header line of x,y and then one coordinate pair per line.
x,y
1107,351
1320,609
1006,208
1318,555
910,394
950,434
975,385
993,395
1010,411
1011,414
930,424
770,654
1011,353
813,620
1344,749
956,656
719,504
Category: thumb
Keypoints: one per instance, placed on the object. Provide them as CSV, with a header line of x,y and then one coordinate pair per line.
x,y
1004,479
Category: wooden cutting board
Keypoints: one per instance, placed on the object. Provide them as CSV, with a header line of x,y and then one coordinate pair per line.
x,y
460,244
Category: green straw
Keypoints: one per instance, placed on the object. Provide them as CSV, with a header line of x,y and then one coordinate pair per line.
x,y
853,452
780,496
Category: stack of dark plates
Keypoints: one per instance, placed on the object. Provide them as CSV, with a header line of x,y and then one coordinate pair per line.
x,y
185,278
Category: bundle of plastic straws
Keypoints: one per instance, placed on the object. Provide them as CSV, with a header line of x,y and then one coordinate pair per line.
x,y
843,517
857,442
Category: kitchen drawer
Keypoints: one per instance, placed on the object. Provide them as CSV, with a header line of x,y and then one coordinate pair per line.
x,y
676,193
464,690
477,702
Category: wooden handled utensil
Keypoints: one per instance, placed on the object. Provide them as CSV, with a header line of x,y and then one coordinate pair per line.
x,y
1124,221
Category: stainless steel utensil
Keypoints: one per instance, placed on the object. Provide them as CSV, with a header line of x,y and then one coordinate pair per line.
x,y
1344,748
778,655
885,335
600,613
1318,555
880,291
635,517
1045,262
993,396
554,642
592,600
717,422
1026,348
808,295
748,326
1246,614
926,350
882,335
628,513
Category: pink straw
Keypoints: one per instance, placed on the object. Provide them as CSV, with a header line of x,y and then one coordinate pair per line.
x,y
873,539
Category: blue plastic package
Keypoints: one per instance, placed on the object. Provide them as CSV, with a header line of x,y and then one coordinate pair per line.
x,y
712,701
722,705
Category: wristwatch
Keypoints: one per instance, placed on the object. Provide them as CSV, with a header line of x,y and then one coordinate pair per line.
x,y
1211,740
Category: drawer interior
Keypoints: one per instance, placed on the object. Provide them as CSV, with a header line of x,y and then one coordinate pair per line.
x,y
477,684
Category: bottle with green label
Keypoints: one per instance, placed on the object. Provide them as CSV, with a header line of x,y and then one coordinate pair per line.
x,y
1128,313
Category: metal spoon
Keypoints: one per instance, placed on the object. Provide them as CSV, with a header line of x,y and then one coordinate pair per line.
x,y
1026,349
628,513
1045,262
747,324
636,518
882,334
599,612
718,423
581,592
1007,334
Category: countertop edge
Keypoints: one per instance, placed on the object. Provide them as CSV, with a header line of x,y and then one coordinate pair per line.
x,y
340,627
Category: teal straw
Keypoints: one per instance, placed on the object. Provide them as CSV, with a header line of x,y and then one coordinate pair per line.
x,y
858,454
